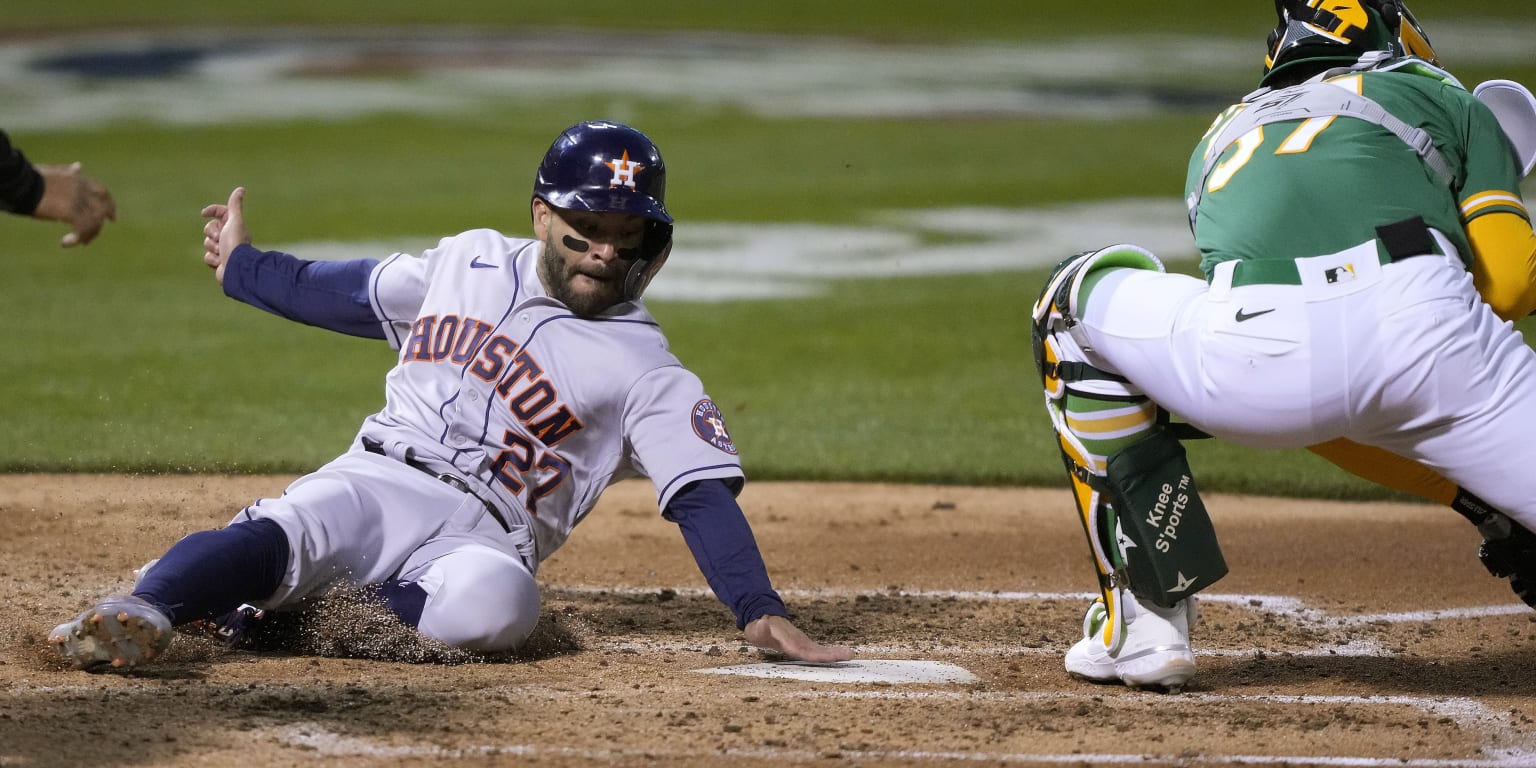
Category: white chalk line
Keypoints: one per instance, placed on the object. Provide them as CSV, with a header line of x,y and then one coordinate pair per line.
x,y
329,744
1279,605
1352,649
1469,713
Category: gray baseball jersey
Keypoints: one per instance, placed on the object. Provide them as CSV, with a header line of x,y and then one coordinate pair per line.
x,y
540,410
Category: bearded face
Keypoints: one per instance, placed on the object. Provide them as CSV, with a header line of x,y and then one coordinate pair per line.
x,y
586,255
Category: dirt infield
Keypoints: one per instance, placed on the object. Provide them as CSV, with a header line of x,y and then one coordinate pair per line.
x,y
1346,635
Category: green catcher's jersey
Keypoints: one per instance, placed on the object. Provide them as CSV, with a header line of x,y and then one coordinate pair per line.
x,y
1319,185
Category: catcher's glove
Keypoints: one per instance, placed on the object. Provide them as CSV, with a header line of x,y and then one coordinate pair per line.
x,y
1508,548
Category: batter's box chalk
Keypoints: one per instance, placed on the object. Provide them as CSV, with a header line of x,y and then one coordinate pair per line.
x,y
898,671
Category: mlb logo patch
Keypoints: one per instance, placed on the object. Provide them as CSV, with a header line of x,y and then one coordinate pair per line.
x,y
1342,274
709,425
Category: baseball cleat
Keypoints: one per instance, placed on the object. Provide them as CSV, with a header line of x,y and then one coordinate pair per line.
x,y
234,629
121,630
1155,653
1088,659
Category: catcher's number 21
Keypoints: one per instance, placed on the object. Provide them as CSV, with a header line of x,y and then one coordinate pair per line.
x,y
1297,142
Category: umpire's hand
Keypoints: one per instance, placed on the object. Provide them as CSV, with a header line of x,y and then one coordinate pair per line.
x,y
73,198
224,231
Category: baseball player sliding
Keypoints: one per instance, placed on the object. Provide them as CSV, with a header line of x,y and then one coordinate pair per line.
x,y
530,378
1363,240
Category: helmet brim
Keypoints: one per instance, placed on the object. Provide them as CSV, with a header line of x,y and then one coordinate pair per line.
x,y
616,200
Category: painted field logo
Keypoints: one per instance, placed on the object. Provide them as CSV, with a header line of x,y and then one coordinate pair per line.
x,y
710,425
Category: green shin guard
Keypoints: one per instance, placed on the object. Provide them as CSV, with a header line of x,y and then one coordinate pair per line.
x,y
1167,539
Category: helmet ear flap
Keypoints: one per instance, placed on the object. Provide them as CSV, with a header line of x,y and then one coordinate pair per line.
x,y
1412,39
654,251
641,272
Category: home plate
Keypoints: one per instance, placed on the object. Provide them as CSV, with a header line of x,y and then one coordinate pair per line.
x,y
861,671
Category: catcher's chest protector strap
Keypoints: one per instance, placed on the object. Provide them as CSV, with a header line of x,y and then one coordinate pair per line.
x,y
1307,100
1166,536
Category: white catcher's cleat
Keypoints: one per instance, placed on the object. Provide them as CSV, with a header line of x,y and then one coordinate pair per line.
x,y
1154,654
1088,659
121,630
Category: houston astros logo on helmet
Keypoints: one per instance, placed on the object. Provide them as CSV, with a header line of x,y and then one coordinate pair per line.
x,y
624,172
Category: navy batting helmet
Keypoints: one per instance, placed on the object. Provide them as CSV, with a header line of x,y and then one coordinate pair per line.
x,y
607,167
1338,32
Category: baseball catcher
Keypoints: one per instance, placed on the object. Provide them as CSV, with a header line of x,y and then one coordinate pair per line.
x,y
1362,239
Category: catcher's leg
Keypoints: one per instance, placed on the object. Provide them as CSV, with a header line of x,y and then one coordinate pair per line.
x,y
1508,548
1094,413
1133,491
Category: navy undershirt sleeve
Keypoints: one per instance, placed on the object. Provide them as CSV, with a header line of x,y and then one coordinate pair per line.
x,y
721,540
326,294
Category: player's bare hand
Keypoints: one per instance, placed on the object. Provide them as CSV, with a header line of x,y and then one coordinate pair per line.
x,y
75,199
776,633
224,231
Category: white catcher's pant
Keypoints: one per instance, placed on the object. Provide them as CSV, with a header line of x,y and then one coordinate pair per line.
x,y
366,518
1404,356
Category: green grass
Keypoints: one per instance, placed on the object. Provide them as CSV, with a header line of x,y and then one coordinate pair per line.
x,y
911,20
925,20
125,356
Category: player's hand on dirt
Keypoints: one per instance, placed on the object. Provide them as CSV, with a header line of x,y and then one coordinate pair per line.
x,y
776,633
73,198
224,231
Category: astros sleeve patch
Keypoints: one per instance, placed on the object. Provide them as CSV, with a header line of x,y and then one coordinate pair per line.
x,y
709,425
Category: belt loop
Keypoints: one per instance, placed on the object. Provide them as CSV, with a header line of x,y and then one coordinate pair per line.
x,y
1447,248
1221,280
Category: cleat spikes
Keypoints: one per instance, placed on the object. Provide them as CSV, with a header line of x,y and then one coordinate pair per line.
x,y
137,632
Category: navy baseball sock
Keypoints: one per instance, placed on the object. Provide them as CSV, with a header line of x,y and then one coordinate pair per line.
x,y
210,573
406,599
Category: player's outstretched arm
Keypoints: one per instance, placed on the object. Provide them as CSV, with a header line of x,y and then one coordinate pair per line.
x,y
224,231
777,634
326,294
722,543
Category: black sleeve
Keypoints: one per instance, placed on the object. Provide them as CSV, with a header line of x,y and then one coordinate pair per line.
x,y
21,186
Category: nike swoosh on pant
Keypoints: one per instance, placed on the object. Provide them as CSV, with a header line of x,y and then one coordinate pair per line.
x,y
1241,316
